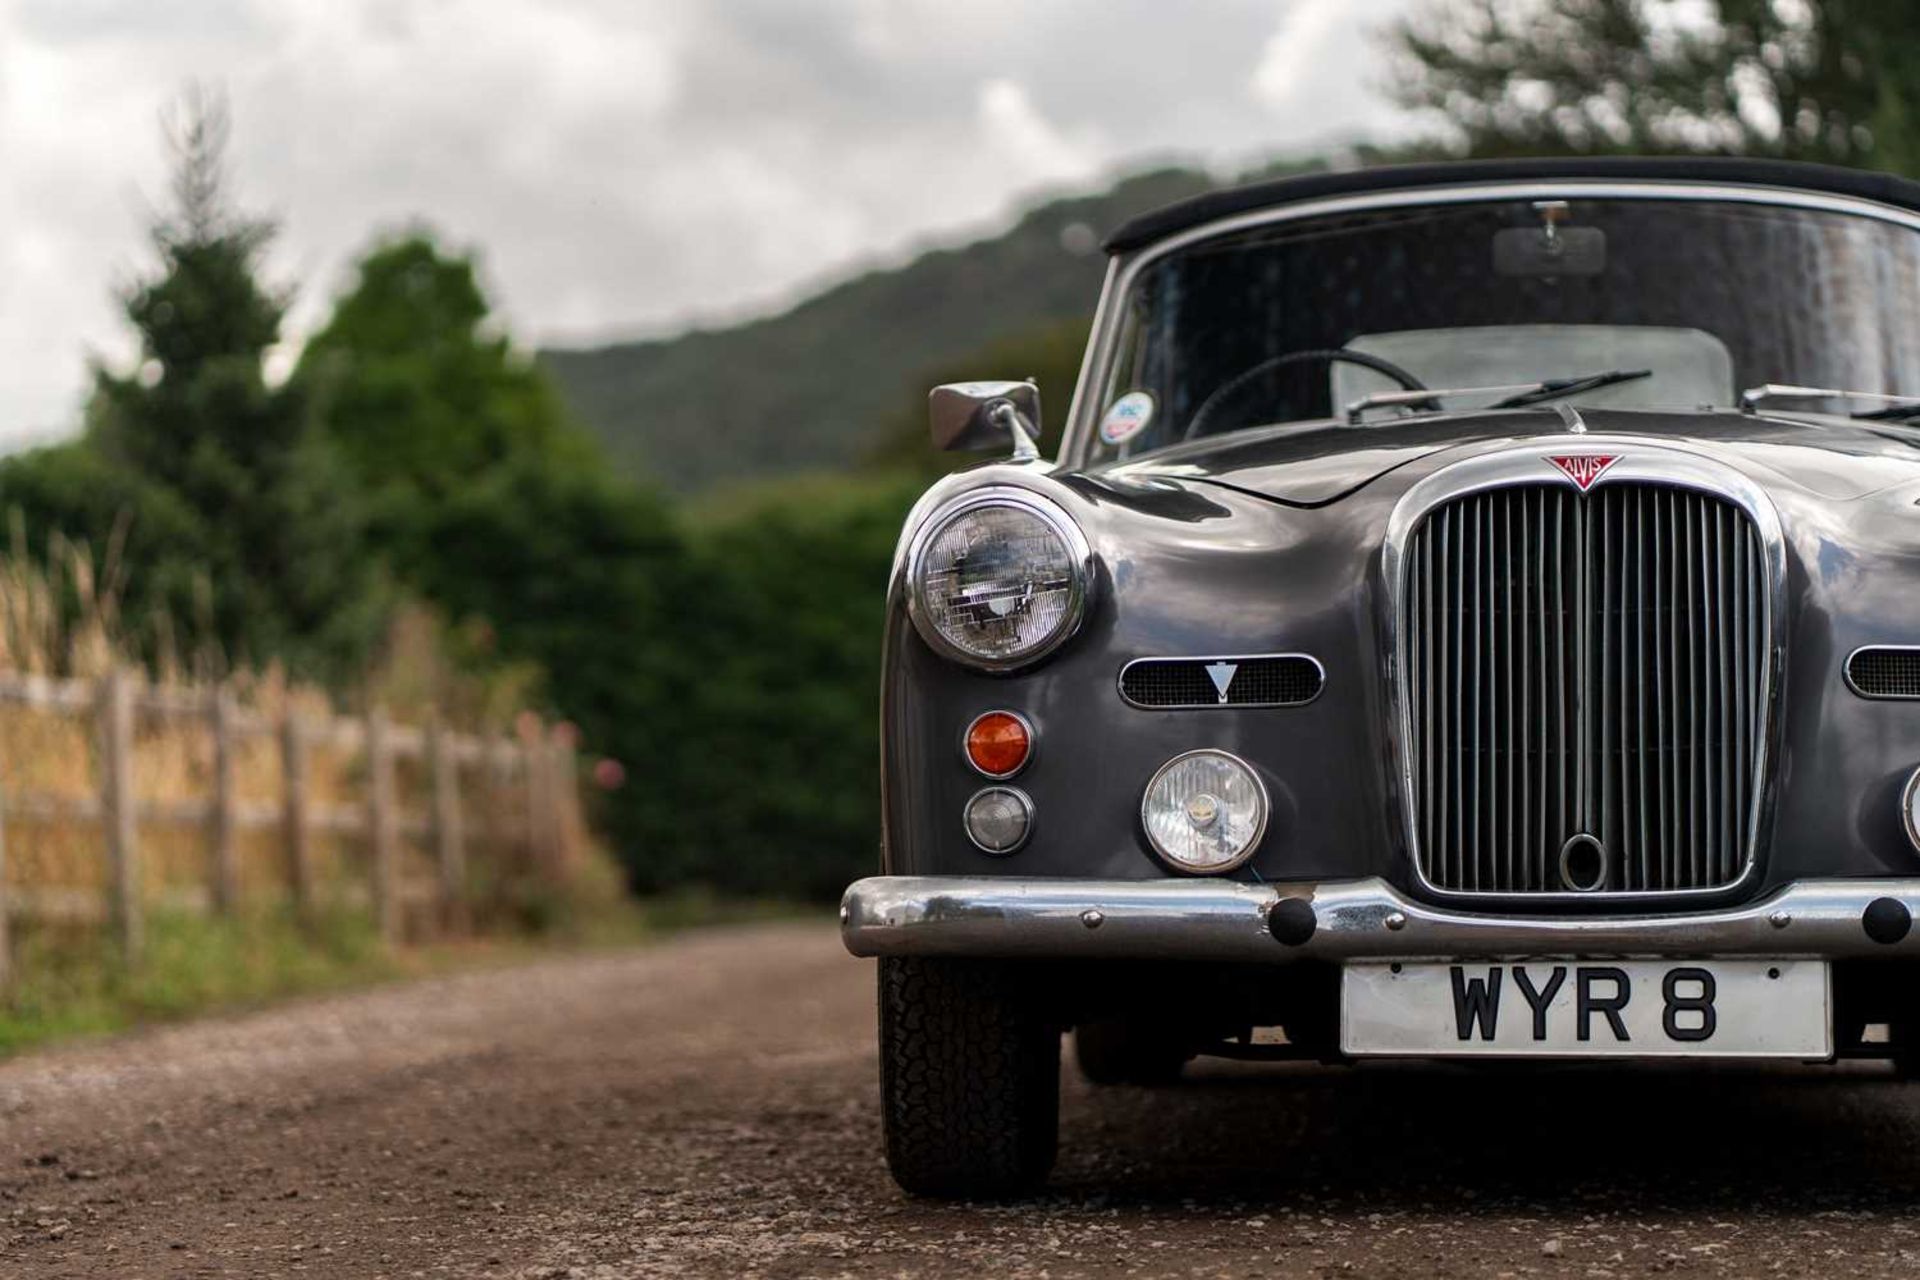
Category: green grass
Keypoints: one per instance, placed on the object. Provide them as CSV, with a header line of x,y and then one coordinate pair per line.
x,y
68,983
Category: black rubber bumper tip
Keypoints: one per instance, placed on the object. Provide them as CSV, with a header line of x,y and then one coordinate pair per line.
x,y
1886,920
1291,920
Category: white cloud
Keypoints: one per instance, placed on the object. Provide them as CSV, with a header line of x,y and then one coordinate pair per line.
x,y
626,165
1036,152
1293,49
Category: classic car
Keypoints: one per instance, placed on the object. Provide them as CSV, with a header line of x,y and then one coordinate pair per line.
x,y
1474,613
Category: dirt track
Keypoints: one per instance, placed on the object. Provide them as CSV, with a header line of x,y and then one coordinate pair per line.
x,y
706,1107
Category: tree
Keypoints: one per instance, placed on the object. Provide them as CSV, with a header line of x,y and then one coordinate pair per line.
x,y
579,572
415,387
491,504
1825,80
267,511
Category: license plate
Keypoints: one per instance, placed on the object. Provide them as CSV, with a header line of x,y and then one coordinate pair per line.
x,y
1588,1009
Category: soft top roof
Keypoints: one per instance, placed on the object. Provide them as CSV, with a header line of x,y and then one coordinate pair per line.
x,y
1861,183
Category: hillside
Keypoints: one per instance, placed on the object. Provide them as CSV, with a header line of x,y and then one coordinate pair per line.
x,y
814,387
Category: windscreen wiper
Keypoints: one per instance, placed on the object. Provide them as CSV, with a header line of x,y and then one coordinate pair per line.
x,y
1517,395
1554,388
1899,407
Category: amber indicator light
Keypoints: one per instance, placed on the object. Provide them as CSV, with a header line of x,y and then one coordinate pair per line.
x,y
998,744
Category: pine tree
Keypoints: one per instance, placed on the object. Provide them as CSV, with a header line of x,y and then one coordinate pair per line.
x,y
280,531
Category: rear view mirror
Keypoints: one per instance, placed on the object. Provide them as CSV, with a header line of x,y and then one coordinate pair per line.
x,y
986,415
1566,251
1558,248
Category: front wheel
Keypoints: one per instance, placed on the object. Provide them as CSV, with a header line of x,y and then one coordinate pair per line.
x,y
969,1078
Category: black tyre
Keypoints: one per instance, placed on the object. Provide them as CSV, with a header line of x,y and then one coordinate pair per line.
x,y
969,1079
1119,1051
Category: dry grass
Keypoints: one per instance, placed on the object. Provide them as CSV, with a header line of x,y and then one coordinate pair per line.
x,y
60,617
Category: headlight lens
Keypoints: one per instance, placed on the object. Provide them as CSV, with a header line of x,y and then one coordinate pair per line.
x,y
1205,811
998,578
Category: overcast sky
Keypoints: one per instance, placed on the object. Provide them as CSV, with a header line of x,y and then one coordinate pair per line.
x,y
623,166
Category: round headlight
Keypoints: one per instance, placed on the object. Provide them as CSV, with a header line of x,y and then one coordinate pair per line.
x,y
997,578
1910,808
1205,811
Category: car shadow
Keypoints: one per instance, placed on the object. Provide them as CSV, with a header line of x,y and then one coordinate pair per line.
x,y
1386,1136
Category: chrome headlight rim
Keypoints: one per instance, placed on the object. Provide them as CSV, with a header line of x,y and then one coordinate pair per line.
x,y
1253,843
1909,795
1079,587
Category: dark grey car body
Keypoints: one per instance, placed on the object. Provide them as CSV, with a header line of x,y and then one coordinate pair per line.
x,y
1270,541
1301,536
1269,545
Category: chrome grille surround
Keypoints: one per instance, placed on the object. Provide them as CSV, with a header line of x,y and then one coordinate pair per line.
x,y
1639,465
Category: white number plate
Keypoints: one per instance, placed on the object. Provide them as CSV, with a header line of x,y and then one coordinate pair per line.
x,y
1589,1009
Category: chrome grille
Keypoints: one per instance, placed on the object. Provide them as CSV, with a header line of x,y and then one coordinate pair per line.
x,y
1585,664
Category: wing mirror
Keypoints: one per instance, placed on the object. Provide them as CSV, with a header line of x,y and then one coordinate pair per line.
x,y
986,415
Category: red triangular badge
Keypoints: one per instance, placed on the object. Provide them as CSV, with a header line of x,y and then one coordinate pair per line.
x,y
1584,468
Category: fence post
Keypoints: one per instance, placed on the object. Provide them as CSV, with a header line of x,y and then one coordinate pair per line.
x,y
566,799
380,826
498,754
449,836
531,760
293,795
226,861
119,819
6,906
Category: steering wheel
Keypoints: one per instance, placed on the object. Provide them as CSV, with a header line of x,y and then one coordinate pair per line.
x,y
1332,355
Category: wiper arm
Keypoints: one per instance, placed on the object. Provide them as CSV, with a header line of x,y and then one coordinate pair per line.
x,y
1429,400
1518,394
1555,388
1901,406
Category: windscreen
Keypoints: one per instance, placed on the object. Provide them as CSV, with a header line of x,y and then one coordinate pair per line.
x,y
1300,320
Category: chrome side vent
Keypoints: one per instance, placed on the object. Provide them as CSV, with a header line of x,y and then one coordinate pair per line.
x,y
1262,680
1585,670
1884,671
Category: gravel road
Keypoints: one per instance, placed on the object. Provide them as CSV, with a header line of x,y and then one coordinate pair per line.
x,y
706,1108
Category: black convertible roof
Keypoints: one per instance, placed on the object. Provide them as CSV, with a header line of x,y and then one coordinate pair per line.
x,y
1148,227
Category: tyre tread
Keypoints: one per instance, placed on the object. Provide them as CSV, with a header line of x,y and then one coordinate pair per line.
x,y
969,1079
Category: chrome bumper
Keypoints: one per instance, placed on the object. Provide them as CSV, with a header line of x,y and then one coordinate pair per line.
x,y
1219,920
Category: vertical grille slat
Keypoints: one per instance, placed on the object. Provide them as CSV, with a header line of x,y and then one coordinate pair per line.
x,y
1584,664
1663,685
1560,670
1476,704
1609,827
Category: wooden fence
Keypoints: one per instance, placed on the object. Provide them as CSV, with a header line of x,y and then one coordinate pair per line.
x,y
539,764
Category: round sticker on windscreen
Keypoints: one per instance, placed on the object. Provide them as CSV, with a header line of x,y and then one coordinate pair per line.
x,y
1127,418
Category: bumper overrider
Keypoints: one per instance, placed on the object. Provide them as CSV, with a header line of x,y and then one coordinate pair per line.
x,y
1341,920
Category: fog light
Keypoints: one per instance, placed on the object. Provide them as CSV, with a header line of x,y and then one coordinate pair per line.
x,y
999,819
1910,808
1205,811
998,743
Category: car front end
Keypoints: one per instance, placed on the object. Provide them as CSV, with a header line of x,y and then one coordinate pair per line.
x,y
1474,615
